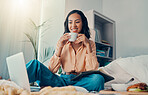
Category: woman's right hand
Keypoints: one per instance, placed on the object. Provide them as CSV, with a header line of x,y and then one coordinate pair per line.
x,y
62,41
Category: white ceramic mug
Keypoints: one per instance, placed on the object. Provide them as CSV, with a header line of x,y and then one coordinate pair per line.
x,y
73,37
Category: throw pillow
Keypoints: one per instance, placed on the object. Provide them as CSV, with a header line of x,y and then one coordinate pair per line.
x,y
120,75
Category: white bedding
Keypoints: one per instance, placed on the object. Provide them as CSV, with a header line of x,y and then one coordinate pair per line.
x,y
123,69
136,66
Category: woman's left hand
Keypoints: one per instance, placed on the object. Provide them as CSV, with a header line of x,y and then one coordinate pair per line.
x,y
86,42
82,38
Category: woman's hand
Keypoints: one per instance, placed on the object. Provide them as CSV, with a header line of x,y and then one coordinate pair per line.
x,y
86,42
82,38
62,41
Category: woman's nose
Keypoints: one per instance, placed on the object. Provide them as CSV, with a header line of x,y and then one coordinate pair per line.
x,y
73,24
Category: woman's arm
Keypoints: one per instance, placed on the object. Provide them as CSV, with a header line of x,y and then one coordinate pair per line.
x,y
91,59
63,40
89,48
54,63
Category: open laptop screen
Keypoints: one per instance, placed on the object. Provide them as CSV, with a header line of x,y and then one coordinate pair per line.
x,y
17,70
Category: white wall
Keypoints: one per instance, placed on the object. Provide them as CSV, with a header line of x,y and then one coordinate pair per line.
x,y
83,5
131,18
53,11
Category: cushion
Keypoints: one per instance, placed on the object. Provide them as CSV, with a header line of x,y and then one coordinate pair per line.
x,y
120,75
136,66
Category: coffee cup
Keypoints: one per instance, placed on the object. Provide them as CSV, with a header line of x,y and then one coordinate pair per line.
x,y
73,37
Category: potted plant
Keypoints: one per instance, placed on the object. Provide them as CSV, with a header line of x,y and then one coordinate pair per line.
x,y
33,38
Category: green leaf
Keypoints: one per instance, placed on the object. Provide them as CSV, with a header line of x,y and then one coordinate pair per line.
x,y
33,38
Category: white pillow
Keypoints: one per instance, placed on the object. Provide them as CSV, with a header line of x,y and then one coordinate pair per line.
x,y
120,75
136,66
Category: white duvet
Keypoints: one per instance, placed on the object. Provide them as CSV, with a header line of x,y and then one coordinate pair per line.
x,y
123,69
136,66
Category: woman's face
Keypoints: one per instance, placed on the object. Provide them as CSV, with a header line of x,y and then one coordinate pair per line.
x,y
75,23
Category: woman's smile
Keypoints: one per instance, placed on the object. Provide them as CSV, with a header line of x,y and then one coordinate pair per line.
x,y
75,23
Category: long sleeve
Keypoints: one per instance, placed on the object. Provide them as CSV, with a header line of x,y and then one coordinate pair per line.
x,y
91,59
55,62
77,61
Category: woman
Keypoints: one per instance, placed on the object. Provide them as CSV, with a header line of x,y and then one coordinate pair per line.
x,y
74,58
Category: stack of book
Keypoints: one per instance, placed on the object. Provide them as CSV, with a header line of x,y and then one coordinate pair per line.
x,y
105,42
100,53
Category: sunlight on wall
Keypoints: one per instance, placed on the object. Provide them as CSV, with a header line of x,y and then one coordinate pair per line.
x,y
14,17
21,3
21,6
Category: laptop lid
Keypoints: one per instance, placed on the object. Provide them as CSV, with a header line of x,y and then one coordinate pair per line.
x,y
17,70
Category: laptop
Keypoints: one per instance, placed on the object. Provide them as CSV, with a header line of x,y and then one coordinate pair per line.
x,y
18,73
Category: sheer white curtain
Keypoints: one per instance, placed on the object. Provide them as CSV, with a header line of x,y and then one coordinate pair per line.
x,y
14,21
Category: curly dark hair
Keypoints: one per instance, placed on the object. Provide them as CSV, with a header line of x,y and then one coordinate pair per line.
x,y
85,28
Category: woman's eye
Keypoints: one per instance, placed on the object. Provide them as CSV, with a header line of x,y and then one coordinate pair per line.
x,y
70,22
78,22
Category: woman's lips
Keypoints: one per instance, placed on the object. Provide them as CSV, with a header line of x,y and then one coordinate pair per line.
x,y
74,30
